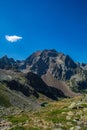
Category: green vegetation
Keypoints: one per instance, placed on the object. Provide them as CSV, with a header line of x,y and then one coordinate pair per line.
x,y
84,105
18,118
32,128
4,99
67,114
18,128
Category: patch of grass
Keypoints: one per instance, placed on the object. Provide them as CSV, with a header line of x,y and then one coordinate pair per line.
x,y
84,105
56,117
4,99
18,128
23,128
58,120
32,128
55,112
18,119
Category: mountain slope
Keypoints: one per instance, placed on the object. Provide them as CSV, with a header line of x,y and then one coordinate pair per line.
x,y
19,89
56,70
38,81
67,114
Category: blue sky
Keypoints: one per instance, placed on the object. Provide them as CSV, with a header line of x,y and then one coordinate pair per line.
x,y
43,24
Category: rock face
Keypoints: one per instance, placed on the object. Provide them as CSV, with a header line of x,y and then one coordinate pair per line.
x,y
59,65
8,63
57,70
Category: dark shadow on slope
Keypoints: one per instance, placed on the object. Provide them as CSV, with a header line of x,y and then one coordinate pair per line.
x,y
15,85
33,86
40,86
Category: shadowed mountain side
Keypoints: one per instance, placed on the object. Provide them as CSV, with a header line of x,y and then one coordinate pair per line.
x,y
40,86
28,85
8,63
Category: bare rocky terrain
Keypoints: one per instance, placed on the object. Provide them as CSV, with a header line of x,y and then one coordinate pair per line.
x,y
56,69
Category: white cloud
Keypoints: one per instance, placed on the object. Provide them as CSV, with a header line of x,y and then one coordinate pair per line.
x,y
12,38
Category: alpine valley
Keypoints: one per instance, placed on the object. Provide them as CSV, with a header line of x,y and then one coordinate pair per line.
x,y
46,91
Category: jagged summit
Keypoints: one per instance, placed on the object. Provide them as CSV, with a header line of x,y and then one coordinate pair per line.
x,y
52,61
54,68
40,62
7,63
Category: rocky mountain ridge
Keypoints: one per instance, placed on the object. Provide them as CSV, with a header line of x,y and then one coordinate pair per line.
x,y
61,66
57,63
25,90
58,72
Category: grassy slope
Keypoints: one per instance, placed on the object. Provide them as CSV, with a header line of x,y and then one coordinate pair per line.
x,y
68,114
4,98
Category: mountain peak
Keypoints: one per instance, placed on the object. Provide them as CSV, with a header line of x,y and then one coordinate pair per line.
x,y
53,67
55,62
7,63
5,57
